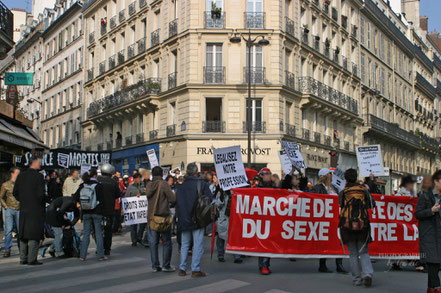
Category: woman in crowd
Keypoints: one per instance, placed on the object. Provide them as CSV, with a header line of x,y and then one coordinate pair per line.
x,y
406,186
55,188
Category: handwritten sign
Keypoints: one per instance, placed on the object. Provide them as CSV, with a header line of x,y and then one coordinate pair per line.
x,y
293,152
338,179
135,210
151,154
229,167
370,160
285,162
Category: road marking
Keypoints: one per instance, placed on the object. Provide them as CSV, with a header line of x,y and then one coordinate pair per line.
x,y
218,287
139,285
65,270
276,291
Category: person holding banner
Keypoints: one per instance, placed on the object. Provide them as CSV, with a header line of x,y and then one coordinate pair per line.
x,y
354,199
427,212
136,189
324,186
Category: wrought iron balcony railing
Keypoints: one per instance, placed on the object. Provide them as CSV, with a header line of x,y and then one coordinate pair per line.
x,y
90,74
429,141
153,134
391,129
142,3
254,20
306,134
308,85
354,32
112,62
132,8
425,85
290,130
354,69
122,15
327,140
91,38
112,22
103,29
289,26
290,79
316,43
334,14
155,37
102,67
214,21
171,130
140,138
154,85
214,74
305,36
213,126
172,80
121,57
257,74
327,50
344,62
128,140
317,137
131,51
141,45
173,28
118,143
325,8
256,126
109,145
344,21
347,146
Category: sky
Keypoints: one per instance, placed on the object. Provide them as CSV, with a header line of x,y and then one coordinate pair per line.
x,y
430,8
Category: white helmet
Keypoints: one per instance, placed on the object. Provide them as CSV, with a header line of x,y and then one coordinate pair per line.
x,y
107,169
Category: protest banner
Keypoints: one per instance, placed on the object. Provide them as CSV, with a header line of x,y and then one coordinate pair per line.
x,y
151,154
229,167
165,172
135,210
293,152
370,160
338,179
276,223
285,162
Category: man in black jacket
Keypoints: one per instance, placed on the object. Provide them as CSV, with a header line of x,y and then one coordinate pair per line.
x,y
111,193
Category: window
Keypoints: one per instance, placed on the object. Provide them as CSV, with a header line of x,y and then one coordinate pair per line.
x,y
369,35
172,113
254,5
256,114
256,68
363,69
213,115
214,55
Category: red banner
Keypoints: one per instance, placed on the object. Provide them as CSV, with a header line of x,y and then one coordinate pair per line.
x,y
276,223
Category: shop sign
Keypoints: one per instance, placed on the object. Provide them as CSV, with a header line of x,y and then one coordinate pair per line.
x,y
244,151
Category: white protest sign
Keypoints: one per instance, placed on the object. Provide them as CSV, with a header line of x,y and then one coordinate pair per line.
x,y
84,169
151,154
338,179
293,152
285,162
229,167
370,160
135,210
165,172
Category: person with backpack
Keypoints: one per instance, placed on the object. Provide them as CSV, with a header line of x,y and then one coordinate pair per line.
x,y
136,189
90,195
56,216
160,196
189,195
354,224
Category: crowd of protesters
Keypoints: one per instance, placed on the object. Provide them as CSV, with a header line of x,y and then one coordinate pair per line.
x,y
31,202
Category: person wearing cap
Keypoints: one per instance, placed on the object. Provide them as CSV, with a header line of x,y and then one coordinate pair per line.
x,y
265,182
291,180
406,186
324,186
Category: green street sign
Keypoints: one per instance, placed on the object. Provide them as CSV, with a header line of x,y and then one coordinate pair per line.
x,y
19,78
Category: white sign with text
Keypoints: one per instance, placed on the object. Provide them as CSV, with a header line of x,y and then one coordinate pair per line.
x,y
135,210
151,154
229,167
293,152
370,160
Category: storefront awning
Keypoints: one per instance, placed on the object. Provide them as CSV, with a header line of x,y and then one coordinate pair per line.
x,y
19,135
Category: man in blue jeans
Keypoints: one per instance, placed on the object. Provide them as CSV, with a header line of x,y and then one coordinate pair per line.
x,y
186,197
11,206
160,196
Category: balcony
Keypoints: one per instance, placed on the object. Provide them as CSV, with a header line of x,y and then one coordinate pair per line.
x,y
289,26
91,38
389,129
142,3
327,140
337,143
128,140
255,74
103,29
118,143
171,130
173,28
316,43
424,85
316,3
121,57
354,31
154,85
102,67
112,62
306,134
354,69
308,85
429,141
334,14
256,126
172,80
131,51
132,8
213,126
347,146
90,74
254,20
214,74
305,36
112,22
336,54
155,37
214,21
344,21
344,62
290,80
140,138
122,15
325,8
141,45
317,137
290,130
109,145
123,96
153,134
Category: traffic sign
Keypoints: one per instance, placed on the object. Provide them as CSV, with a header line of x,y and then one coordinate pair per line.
x,y
11,94
19,78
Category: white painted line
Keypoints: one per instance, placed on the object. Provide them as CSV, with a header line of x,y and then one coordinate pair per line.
x,y
276,291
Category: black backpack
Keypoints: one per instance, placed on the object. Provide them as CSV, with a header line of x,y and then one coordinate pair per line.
x,y
205,211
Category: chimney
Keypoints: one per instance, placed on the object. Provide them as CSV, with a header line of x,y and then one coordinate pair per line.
x,y
424,23
436,39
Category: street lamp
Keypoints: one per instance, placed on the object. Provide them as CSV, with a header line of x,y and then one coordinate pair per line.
x,y
249,42
30,101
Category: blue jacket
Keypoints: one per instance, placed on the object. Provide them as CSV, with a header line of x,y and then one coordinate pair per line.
x,y
186,197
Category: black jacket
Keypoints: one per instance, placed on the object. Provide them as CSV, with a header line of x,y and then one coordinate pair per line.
x,y
30,192
54,190
55,213
319,188
429,229
111,192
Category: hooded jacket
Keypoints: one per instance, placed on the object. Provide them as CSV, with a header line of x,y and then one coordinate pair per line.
x,y
166,197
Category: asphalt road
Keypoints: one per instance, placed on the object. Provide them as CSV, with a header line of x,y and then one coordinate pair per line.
x,y
129,270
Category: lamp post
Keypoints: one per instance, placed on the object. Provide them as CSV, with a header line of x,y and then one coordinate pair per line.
x,y
249,42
